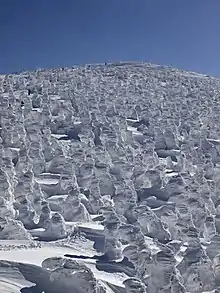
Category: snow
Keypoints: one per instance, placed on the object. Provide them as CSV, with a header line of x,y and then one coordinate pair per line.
x,y
135,88
14,149
54,198
54,97
153,247
12,285
170,174
91,225
50,175
134,130
58,135
77,122
131,120
113,278
46,181
37,109
37,255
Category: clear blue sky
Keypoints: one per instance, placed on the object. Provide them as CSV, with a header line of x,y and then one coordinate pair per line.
x,y
57,33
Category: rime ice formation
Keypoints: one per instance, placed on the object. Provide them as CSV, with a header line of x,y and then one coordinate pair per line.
x,y
109,180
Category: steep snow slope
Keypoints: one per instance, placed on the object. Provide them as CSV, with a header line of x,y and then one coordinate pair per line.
x,y
109,180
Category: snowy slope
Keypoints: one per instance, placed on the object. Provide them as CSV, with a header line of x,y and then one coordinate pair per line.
x,y
109,180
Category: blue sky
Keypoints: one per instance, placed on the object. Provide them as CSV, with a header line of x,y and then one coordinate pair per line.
x,y
57,33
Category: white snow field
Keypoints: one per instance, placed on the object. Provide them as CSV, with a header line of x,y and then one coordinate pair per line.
x,y
109,180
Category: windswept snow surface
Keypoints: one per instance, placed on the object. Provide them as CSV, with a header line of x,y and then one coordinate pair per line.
x,y
109,180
